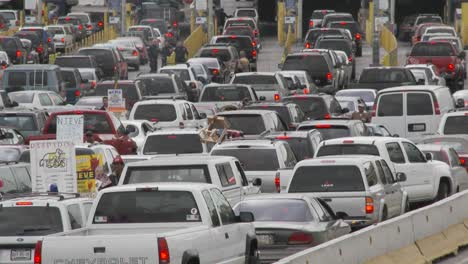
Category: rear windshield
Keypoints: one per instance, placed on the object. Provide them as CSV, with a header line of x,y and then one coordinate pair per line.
x,y
20,122
327,179
225,93
183,74
249,124
68,20
386,76
368,97
8,15
55,31
249,158
429,49
104,58
243,43
313,35
74,62
173,144
456,125
246,13
156,112
179,173
439,30
241,22
146,207
239,31
313,107
342,45
282,210
310,63
424,20
96,123
30,221
348,149
156,85
255,79
300,146
32,37
352,27
282,111
329,132
221,54
337,18
21,98
10,154
129,91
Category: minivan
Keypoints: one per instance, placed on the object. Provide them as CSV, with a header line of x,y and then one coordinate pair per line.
x,y
412,111
33,77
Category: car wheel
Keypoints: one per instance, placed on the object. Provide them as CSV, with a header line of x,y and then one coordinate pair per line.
x,y
443,191
384,214
407,206
253,257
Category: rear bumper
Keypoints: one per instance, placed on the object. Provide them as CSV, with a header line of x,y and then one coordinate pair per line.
x,y
269,255
132,60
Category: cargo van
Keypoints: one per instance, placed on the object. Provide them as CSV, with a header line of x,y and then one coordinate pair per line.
x,y
33,77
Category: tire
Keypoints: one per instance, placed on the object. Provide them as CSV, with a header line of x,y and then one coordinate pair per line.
x,y
407,206
253,257
443,191
384,214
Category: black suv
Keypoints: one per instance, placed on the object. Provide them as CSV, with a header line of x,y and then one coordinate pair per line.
x,y
106,60
241,43
314,34
13,47
322,106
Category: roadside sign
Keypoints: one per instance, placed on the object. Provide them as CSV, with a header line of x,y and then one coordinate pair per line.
x,y
86,171
53,162
30,19
200,20
70,128
290,20
114,20
116,100
201,5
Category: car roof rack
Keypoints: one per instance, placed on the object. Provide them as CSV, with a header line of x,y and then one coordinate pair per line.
x,y
60,195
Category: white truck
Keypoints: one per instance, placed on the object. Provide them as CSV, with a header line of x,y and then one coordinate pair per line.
x,y
224,172
156,223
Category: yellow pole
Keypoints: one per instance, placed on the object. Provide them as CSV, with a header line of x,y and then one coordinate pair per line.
x,y
21,18
280,19
192,20
128,16
464,24
45,17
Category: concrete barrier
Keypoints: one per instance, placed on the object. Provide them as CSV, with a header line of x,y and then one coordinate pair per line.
x,y
420,236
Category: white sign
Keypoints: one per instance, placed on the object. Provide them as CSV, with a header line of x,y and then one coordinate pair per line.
x,y
30,4
30,19
114,20
70,128
115,100
201,5
53,162
200,20
290,20
380,22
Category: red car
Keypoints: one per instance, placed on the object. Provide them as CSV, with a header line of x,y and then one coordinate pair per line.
x,y
445,56
105,126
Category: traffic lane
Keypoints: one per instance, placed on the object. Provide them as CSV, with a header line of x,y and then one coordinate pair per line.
x,y
132,74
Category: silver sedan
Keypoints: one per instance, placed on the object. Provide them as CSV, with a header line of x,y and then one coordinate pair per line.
x,y
288,223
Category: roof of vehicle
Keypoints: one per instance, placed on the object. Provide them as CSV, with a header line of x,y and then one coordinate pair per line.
x,y
31,92
135,122
290,134
23,67
47,198
348,98
255,74
302,96
245,112
240,18
428,65
20,110
182,160
226,85
412,88
254,143
161,101
118,82
360,90
177,66
337,160
333,122
68,69
162,186
457,113
362,140
140,26
74,56
339,14
440,26
277,196
78,112
432,147
155,75
266,104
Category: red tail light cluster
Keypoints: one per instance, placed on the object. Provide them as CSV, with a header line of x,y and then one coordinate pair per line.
x,y
311,23
254,44
329,76
451,67
255,33
80,27
93,84
62,40
169,35
135,53
49,40
18,53
39,49
307,45
163,251
277,182
89,26
300,238
100,24
277,97
38,253
436,107
77,93
350,59
358,36
374,109
215,71
369,205
174,24
254,53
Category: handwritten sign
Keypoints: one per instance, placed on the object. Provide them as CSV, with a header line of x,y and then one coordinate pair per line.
x,y
116,100
70,128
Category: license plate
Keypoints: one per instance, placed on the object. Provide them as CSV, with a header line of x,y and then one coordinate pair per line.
x,y
265,239
20,254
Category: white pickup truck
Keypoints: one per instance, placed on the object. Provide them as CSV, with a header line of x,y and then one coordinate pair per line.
x,y
156,223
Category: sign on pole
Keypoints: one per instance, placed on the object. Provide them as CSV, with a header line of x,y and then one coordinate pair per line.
x,y
201,5
70,128
53,162
115,100
290,20
114,20
200,20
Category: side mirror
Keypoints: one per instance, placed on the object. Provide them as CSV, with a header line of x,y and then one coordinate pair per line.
x,y
429,156
246,217
129,130
460,103
257,182
262,98
401,177
421,82
345,110
203,115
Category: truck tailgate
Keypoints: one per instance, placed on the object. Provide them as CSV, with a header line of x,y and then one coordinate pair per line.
x,y
352,204
101,249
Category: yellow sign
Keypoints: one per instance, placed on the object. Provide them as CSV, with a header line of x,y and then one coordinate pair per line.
x,y
85,167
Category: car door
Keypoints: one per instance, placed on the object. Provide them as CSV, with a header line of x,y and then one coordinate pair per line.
x,y
337,227
420,116
229,185
45,100
233,244
458,171
247,188
216,232
392,197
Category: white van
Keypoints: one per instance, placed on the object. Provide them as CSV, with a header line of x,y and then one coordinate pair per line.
x,y
412,111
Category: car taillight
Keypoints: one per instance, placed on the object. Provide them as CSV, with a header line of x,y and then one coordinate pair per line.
x,y
277,97
169,35
277,182
174,24
254,53
369,205
451,67
2,25
436,107
418,38
215,71
18,53
300,238
89,26
135,53
255,32
350,59
77,93
463,161
358,36
49,40
311,23
93,84
306,91
100,24
254,44
38,253
39,49
163,251
374,109
307,45
80,27
329,76
327,116
62,40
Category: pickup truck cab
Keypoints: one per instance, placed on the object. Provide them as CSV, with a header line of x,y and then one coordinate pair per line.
x,y
27,218
360,189
163,223
105,126
336,128
379,78
226,96
427,180
174,142
224,172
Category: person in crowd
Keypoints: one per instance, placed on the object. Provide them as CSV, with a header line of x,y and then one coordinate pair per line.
x,y
244,64
165,52
181,53
105,103
117,167
361,114
102,180
153,53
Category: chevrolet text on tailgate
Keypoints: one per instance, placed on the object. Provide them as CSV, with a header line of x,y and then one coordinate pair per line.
x,y
156,223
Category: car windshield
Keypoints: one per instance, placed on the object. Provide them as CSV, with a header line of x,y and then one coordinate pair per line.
x,y
313,107
368,97
178,173
21,98
346,178
276,210
183,74
9,154
30,221
329,131
310,63
436,49
386,76
74,62
129,91
456,125
97,123
155,112
158,85
144,206
248,124
249,158
20,122
348,149
300,146
225,93
173,144
246,13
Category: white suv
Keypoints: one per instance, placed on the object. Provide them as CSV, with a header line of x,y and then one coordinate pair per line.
x,y
187,74
427,180
174,142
